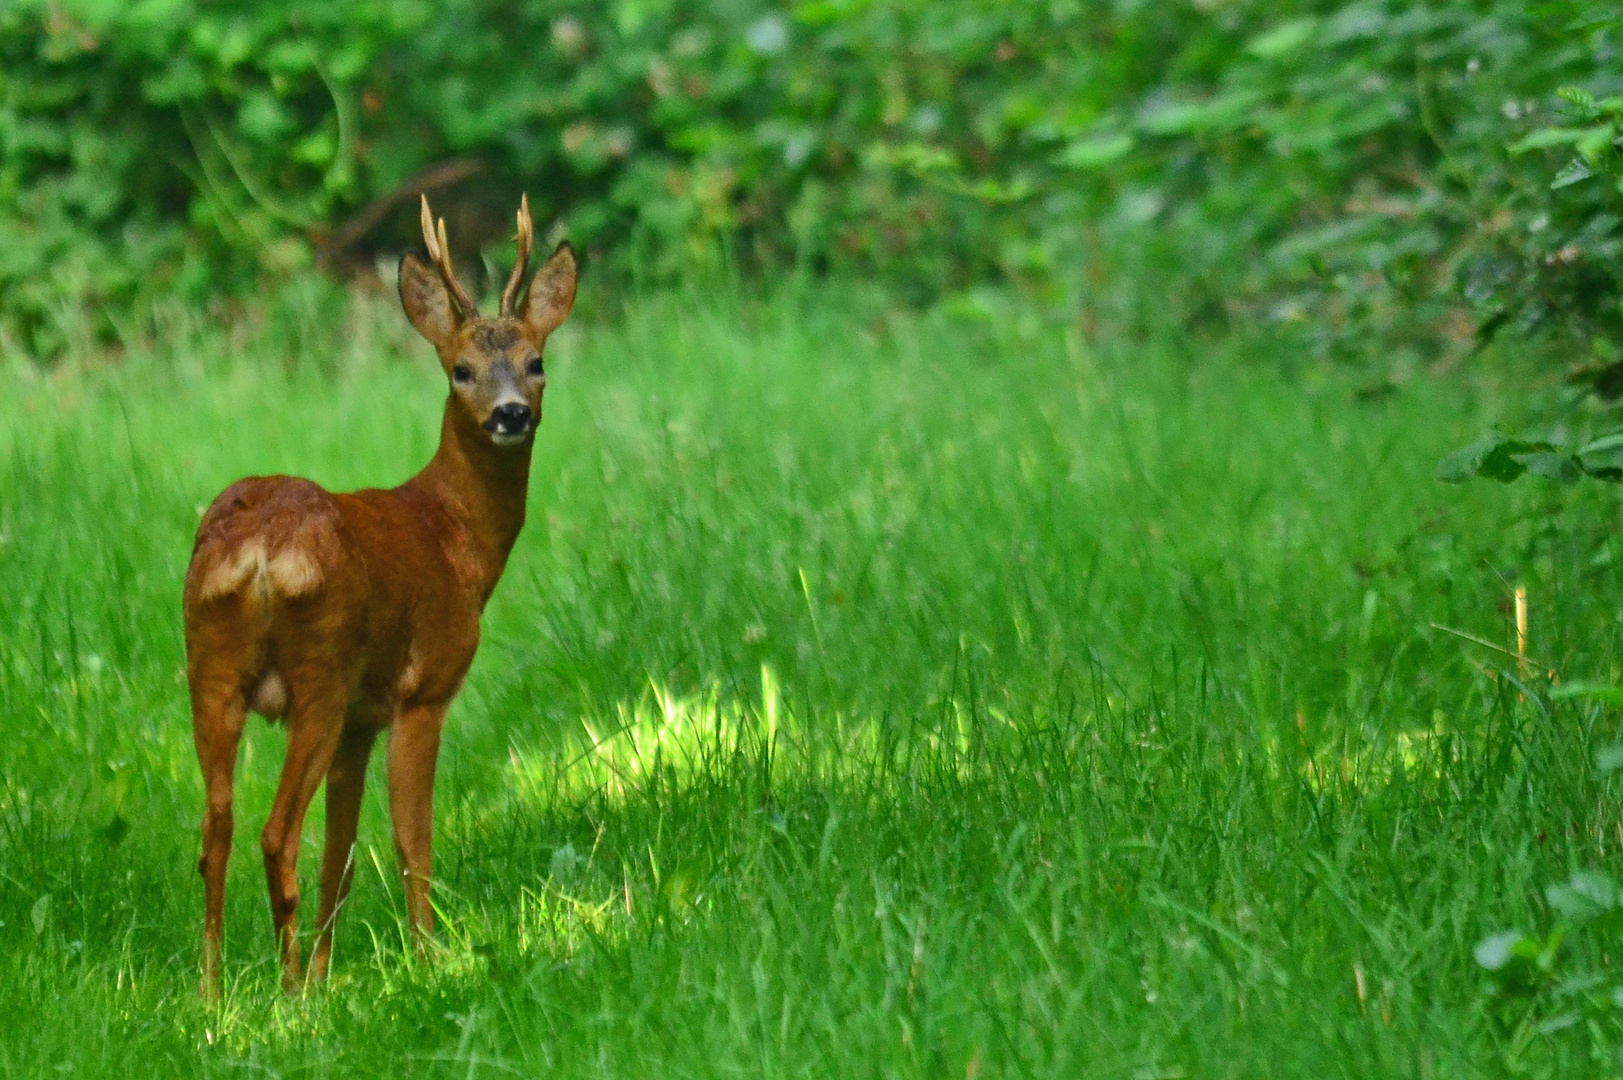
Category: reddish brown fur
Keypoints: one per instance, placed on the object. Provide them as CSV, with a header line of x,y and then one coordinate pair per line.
x,y
350,614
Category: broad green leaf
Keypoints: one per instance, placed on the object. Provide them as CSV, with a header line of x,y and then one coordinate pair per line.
x,y
1603,457
565,864
915,157
1504,462
1595,142
1560,1022
824,12
1496,952
1588,691
1553,465
316,148
1097,151
1283,39
1495,458
1587,895
1576,171
289,57
1577,97
1198,117
1544,138
1458,466
264,117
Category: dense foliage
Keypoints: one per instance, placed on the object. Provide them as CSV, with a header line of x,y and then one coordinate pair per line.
x,y
1349,168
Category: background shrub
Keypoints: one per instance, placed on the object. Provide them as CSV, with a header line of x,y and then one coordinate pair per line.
x,y
1353,172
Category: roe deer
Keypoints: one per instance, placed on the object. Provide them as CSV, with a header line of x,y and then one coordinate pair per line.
x,y
346,614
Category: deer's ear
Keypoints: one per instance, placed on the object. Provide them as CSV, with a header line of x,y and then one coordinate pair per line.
x,y
427,301
552,293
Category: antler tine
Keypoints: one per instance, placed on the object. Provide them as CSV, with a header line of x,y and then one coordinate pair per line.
x,y
526,237
429,240
439,250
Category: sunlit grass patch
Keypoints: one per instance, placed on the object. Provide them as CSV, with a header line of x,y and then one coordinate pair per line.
x,y
661,729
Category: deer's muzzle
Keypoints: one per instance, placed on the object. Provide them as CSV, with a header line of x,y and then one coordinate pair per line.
x,y
510,422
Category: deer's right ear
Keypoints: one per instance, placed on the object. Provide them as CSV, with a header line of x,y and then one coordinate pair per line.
x,y
427,301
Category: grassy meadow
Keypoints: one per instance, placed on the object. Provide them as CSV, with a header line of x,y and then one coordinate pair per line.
x,y
872,693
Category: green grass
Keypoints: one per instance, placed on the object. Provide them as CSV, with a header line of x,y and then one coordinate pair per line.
x,y
872,694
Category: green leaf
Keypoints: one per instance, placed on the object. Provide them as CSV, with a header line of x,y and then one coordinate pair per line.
x,y
1589,691
1458,466
825,12
1603,457
1562,468
264,117
1197,117
1559,1022
1283,39
1596,141
1504,462
1579,984
566,864
1496,458
289,57
1497,952
1518,964
1576,171
38,913
1577,97
316,148
1544,138
1097,151
1587,895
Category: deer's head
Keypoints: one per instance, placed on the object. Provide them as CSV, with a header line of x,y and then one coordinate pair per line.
x,y
494,365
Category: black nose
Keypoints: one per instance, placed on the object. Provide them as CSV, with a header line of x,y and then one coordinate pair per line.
x,y
510,419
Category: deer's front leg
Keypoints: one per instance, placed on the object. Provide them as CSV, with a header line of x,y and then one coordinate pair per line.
x,y
313,728
414,746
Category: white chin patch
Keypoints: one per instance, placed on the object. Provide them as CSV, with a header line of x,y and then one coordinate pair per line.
x,y
503,438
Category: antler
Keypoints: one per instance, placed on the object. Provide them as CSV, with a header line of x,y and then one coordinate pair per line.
x,y
440,252
526,237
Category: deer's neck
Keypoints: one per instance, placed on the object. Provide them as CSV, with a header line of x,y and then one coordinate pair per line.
x,y
476,491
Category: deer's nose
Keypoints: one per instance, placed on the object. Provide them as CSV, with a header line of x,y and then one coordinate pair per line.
x,y
512,418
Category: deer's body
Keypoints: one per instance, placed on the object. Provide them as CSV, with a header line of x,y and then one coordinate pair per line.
x,y
379,590
348,614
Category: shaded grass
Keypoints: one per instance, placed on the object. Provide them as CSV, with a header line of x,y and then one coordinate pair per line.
x,y
872,693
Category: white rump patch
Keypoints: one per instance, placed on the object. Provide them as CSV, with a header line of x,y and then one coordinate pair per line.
x,y
293,572
231,573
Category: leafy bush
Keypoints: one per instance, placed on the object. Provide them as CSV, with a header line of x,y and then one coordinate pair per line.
x,y
1364,170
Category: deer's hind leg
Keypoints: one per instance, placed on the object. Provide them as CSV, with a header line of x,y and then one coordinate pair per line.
x,y
315,724
346,781
218,713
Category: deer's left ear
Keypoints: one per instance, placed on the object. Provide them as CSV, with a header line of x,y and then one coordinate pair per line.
x,y
552,293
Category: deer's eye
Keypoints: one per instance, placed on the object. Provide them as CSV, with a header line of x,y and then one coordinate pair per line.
x,y
462,373
534,368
